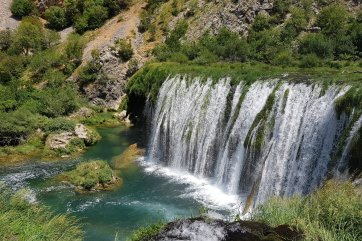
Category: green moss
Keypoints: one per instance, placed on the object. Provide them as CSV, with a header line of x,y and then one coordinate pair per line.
x,y
261,122
285,98
349,101
90,175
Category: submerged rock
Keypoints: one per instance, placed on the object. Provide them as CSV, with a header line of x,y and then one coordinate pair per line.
x,y
197,229
128,157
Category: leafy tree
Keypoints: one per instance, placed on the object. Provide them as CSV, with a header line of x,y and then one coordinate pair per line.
x,y
21,8
56,17
96,16
51,38
28,37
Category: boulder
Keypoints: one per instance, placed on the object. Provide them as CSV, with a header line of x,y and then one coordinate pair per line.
x,y
61,140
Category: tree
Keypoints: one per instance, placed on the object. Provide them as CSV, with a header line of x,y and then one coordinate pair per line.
x,y
96,16
28,37
56,17
21,8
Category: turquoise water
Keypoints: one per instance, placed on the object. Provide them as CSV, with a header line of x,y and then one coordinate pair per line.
x,y
144,198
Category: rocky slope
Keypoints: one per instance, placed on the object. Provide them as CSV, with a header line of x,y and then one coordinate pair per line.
x,y
6,19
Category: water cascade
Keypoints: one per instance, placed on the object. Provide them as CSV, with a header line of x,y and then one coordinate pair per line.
x,y
266,138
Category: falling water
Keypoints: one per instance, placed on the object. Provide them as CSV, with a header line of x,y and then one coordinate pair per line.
x,y
266,138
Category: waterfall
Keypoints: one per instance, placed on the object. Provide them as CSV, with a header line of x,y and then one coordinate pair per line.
x,y
267,138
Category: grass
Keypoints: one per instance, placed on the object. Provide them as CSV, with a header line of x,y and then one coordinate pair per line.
x,y
20,220
147,233
101,119
148,80
332,213
92,175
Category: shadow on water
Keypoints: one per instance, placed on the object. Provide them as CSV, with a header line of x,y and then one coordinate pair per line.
x,y
144,198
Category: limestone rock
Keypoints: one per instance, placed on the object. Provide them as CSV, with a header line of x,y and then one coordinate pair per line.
x,y
57,141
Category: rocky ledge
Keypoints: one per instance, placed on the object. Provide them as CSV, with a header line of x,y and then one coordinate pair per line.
x,y
196,229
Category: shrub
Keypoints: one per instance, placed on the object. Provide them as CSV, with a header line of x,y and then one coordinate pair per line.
x,y
261,22
21,8
333,19
281,6
56,17
6,38
283,58
125,50
316,43
173,40
96,15
133,66
59,125
309,61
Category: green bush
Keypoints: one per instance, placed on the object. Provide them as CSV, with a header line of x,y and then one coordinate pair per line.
x,y
59,125
333,20
309,61
125,50
21,8
332,213
316,43
133,66
56,17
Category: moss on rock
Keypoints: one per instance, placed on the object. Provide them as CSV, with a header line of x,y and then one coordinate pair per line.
x,y
91,176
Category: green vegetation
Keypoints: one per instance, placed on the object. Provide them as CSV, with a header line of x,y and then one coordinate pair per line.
x,y
21,8
92,175
124,48
34,96
148,232
21,220
149,79
84,15
290,44
333,213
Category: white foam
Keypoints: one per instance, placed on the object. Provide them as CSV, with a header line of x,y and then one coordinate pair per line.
x,y
198,188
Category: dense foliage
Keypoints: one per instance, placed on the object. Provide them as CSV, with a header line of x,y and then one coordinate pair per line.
x,y
33,71
84,15
336,36
21,220
332,213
